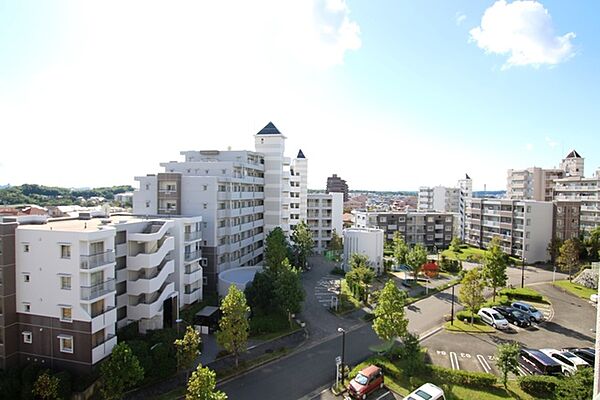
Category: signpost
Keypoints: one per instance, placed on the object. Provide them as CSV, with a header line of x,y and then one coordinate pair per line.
x,y
338,371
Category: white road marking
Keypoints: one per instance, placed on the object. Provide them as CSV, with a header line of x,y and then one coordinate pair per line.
x,y
383,395
454,360
521,371
484,364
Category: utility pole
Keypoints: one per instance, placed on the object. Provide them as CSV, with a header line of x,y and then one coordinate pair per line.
x,y
522,272
452,309
597,359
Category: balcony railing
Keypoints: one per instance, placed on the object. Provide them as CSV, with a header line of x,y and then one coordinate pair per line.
x,y
96,260
189,236
191,269
193,255
98,290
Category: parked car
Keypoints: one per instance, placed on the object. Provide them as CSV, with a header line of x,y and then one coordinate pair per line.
x,y
575,359
513,316
427,392
586,354
569,365
493,318
535,362
366,382
529,310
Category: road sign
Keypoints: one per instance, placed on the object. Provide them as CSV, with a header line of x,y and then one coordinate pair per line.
x,y
338,360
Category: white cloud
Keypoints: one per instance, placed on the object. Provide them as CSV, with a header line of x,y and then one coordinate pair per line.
x,y
529,146
524,31
551,142
460,18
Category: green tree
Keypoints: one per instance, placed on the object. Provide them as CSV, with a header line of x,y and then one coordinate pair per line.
x,y
303,243
508,360
260,293
120,372
399,248
233,325
416,257
289,293
568,257
360,275
471,291
276,249
593,243
411,355
455,245
390,320
554,248
578,386
188,349
495,263
201,386
46,386
336,244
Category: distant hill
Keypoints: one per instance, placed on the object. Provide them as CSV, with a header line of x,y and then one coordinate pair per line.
x,y
52,195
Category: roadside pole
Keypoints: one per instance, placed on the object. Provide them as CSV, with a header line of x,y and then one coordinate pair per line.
x,y
597,359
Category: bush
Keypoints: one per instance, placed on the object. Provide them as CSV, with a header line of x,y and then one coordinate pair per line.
x,y
539,386
500,301
523,294
338,271
10,383
461,378
466,315
449,265
28,376
64,385
261,324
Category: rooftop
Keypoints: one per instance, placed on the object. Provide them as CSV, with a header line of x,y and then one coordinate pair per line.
x,y
269,129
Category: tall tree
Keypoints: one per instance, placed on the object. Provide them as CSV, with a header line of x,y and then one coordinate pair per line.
x,y
188,349
336,244
120,372
46,386
201,386
233,325
593,243
360,275
495,263
260,293
568,257
416,257
455,245
303,243
276,249
399,248
289,293
471,291
554,248
390,320
508,360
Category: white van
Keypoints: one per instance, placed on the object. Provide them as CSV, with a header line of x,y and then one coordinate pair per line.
x,y
427,392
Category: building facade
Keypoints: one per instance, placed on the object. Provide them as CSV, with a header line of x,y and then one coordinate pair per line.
x,y
335,184
430,229
365,241
325,212
532,183
524,227
585,192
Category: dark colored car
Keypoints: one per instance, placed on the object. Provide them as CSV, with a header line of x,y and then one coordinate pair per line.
x,y
514,316
535,362
366,382
587,354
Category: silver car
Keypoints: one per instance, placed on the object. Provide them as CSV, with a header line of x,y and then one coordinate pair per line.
x,y
533,313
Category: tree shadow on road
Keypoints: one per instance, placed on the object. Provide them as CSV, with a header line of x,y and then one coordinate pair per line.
x,y
446,297
556,328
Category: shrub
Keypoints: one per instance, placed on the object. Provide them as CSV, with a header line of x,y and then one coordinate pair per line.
x,y
462,378
64,385
268,323
523,294
338,271
500,301
28,376
466,315
539,386
449,265
10,383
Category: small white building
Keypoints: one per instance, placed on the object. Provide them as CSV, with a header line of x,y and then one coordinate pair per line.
x,y
366,241
325,212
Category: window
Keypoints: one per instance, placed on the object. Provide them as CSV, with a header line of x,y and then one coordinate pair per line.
x,y
147,204
430,228
66,314
205,224
26,307
205,206
204,280
26,248
147,186
205,187
65,251
26,278
66,343
27,337
65,282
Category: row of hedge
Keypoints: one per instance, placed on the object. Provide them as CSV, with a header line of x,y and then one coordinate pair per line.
x,y
539,385
466,315
460,377
526,294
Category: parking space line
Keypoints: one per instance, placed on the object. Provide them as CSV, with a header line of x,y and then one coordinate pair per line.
x,y
521,371
383,395
454,360
484,364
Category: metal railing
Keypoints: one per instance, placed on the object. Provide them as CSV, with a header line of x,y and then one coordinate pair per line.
x,y
98,290
96,260
190,269
189,236
193,255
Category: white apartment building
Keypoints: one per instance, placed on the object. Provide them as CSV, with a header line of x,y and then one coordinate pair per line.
x,y
365,241
241,196
325,213
584,194
78,280
538,183
466,192
524,227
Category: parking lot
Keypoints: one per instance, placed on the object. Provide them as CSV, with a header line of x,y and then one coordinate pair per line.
x,y
569,323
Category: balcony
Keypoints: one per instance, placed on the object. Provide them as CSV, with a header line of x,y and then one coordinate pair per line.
x,y
104,349
192,256
150,306
148,260
107,318
153,281
192,274
154,231
189,298
193,236
96,260
89,293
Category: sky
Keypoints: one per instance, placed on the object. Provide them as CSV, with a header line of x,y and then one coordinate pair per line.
x,y
390,95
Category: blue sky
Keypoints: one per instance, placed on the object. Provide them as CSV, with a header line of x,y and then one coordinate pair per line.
x,y
390,95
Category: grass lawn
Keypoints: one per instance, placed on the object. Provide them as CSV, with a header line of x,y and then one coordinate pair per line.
x,y
461,327
473,253
273,335
577,290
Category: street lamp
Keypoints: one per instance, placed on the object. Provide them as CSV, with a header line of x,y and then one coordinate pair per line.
x,y
452,309
343,332
522,272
